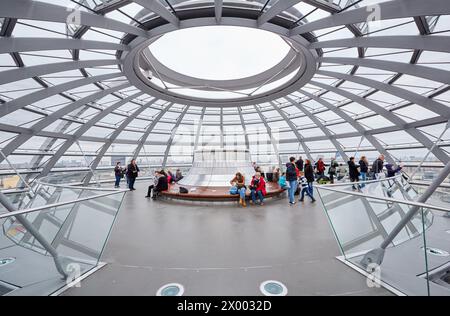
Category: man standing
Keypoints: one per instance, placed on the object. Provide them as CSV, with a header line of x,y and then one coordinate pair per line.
x,y
378,166
300,164
291,178
132,174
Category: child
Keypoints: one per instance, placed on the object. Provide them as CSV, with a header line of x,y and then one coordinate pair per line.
x,y
282,181
305,188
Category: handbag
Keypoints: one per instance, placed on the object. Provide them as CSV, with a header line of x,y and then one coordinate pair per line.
x,y
183,190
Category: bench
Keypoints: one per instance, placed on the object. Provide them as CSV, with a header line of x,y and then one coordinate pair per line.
x,y
219,194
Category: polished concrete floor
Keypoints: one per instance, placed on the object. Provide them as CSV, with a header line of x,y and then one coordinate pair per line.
x,y
220,249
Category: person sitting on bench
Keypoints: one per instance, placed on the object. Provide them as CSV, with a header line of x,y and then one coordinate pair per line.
x,y
161,185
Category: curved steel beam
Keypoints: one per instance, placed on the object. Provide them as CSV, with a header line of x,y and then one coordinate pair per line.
x,y
388,10
275,9
429,73
31,44
388,115
113,138
158,8
269,132
150,129
403,94
45,69
324,129
432,43
38,127
36,10
172,135
83,129
370,138
295,131
31,98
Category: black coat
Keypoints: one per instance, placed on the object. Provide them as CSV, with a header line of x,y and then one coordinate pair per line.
x,y
132,171
291,173
299,163
364,166
162,184
309,173
353,170
378,166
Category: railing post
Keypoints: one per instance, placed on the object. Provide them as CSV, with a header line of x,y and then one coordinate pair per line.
x,y
35,233
377,255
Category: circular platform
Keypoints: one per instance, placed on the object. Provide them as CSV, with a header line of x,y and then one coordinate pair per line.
x,y
219,194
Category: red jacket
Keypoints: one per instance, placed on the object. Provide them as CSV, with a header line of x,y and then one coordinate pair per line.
x,y
261,185
320,166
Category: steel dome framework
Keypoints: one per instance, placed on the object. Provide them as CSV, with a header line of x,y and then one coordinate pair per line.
x,y
72,93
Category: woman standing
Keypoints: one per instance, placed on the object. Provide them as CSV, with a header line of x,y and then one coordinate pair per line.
x,y
132,174
118,172
258,188
364,168
291,178
239,187
309,175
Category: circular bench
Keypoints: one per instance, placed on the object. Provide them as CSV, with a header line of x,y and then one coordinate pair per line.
x,y
219,194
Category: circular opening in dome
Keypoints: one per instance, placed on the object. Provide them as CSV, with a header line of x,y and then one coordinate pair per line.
x,y
220,52
273,288
6,261
172,289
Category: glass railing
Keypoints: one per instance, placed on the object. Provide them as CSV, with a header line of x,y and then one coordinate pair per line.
x,y
52,235
363,215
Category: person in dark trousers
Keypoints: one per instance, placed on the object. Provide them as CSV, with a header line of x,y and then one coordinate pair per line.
x,y
320,166
363,170
258,188
161,185
300,164
178,175
132,174
353,172
309,175
118,172
332,171
377,167
291,178
306,188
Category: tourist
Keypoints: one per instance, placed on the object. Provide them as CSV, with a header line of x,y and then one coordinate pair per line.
x,y
299,163
132,174
118,172
157,185
306,188
391,171
353,172
178,175
258,188
320,166
238,187
309,175
282,182
363,170
291,178
377,167
170,177
332,170
276,175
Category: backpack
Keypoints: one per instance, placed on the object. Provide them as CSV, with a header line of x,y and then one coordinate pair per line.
x,y
183,190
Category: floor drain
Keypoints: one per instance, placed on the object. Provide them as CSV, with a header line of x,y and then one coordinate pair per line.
x,y
437,252
6,261
172,289
273,288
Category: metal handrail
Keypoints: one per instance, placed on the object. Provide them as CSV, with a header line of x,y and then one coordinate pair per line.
x,y
359,182
411,203
44,207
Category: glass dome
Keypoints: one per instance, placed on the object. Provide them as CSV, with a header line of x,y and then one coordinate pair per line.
x,y
79,91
